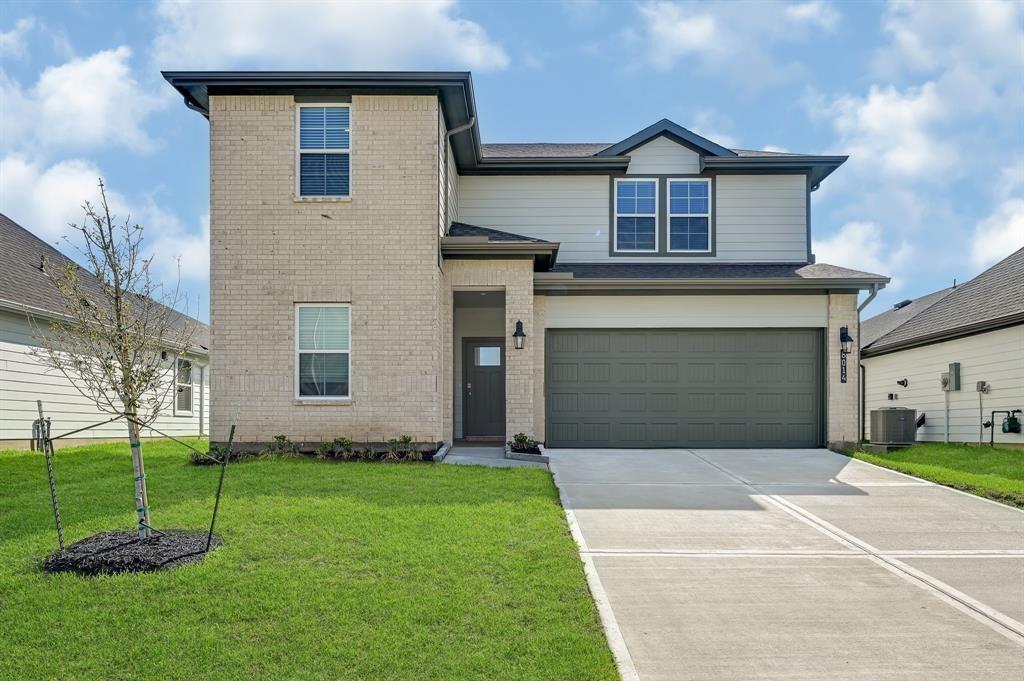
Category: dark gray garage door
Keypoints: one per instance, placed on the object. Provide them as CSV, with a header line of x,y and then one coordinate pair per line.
x,y
684,388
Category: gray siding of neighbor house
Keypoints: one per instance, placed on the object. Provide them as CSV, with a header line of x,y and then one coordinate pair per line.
x,y
996,357
23,380
758,218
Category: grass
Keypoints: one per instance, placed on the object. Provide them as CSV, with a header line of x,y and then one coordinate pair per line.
x,y
329,571
992,473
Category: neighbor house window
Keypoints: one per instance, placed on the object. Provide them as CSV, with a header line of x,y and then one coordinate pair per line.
x,y
636,215
182,387
324,146
689,215
323,341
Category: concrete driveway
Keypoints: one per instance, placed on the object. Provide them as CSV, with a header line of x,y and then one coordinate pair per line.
x,y
793,564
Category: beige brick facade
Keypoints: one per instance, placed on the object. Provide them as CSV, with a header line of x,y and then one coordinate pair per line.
x,y
377,251
843,398
515,278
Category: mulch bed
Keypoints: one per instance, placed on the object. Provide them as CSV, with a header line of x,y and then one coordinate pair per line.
x,y
526,450
122,551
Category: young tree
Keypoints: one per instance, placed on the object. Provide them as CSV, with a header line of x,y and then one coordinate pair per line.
x,y
117,332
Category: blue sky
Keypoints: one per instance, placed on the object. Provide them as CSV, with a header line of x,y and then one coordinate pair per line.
x,y
927,98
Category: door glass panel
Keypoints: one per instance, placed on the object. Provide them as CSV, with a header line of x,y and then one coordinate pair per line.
x,y
488,356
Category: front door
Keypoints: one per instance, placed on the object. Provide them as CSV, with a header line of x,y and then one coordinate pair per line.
x,y
483,387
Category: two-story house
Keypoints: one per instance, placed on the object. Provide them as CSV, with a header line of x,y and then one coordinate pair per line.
x,y
377,270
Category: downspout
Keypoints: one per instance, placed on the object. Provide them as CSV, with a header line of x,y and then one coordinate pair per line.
x,y
862,384
447,169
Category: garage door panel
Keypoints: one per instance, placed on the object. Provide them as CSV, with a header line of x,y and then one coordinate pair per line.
x,y
684,387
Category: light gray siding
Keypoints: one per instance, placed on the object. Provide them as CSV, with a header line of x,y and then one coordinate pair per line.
x,y
759,218
995,357
23,380
662,156
656,312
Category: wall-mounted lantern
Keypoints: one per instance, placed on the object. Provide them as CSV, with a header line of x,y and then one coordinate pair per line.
x,y
519,336
846,339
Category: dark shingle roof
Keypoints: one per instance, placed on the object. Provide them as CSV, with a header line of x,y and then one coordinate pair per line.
x,y
993,297
578,150
462,229
543,149
781,271
874,328
24,284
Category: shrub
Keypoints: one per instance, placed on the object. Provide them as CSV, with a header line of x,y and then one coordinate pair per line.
x,y
402,448
215,456
325,450
521,442
343,448
282,446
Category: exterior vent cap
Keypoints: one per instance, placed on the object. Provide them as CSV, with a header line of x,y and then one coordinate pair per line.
x,y
901,304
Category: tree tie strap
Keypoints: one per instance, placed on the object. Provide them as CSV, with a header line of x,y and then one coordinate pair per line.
x,y
140,478
134,444
142,509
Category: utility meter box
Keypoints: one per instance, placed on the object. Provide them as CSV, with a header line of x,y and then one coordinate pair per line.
x,y
954,376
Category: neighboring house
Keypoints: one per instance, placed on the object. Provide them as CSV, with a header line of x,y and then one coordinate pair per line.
x,y
979,324
375,269
27,301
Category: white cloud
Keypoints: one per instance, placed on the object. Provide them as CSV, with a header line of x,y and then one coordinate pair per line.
x,y
46,199
729,39
12,42
929,37
777,149
999,234
85,103
893,131
860,246
304,34
815,13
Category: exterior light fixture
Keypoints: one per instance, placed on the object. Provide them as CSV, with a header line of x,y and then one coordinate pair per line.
x,y
519,336
846,339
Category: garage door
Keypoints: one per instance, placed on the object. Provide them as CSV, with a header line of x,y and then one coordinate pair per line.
x,y
684,387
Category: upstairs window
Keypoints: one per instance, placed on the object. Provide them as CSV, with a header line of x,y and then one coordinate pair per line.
x,y
323,341
636,215
324,146
689,215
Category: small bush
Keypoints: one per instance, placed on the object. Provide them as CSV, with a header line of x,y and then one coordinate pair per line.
x,y
282,446
521,442
215,456
402,448
325,450
343,448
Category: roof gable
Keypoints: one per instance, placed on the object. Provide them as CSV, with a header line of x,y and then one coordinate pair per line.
x,y
673,131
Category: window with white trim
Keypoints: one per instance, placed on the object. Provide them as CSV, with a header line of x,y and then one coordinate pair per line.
x,y
182,387
323,167
636,215
689,215
323,341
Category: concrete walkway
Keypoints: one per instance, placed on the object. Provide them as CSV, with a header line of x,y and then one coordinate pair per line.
x,y
485,455
793,564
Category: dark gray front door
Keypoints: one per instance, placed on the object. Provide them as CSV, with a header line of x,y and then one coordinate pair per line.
x,y
483,387
684,388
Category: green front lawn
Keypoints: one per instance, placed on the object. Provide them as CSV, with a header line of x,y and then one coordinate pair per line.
x,y
993,473
329,571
